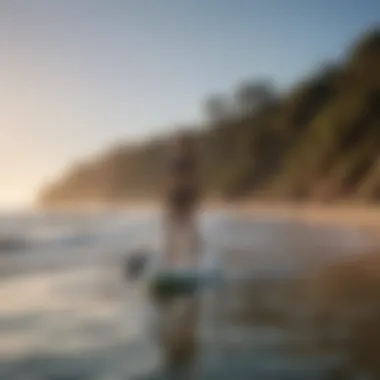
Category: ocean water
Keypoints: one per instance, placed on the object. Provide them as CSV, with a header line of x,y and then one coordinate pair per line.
x,y
66,311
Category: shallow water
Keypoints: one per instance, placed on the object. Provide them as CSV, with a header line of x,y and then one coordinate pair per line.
x,y
66,312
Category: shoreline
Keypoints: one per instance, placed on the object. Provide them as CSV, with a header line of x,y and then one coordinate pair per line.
x,y
342,214
365,217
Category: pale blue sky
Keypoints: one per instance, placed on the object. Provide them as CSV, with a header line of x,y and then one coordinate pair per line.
x,y
77,76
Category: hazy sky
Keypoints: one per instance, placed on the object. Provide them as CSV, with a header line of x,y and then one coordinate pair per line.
x,y
79,75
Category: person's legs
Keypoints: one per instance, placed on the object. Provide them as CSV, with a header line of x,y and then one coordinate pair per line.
x,y
193,238
178,231
180,340
172,228
181,225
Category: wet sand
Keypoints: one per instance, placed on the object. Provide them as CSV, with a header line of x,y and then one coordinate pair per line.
x,y
343,215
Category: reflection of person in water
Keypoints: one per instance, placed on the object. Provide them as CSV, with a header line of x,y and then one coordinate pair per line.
x,y
182,199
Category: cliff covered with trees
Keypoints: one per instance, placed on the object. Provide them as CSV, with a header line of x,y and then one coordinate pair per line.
x,y
319,141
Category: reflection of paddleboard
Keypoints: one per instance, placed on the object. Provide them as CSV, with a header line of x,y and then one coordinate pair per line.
x,y
163,283
171,283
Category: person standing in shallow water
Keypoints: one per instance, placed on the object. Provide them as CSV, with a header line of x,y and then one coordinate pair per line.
x,y
182,198
182,247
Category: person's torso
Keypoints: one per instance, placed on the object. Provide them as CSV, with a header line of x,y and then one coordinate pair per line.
x,y
182,172
182,165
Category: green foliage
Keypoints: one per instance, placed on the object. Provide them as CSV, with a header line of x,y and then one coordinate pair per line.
x,y
325,132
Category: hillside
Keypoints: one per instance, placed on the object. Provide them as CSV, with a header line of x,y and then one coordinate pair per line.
x,y
318,141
